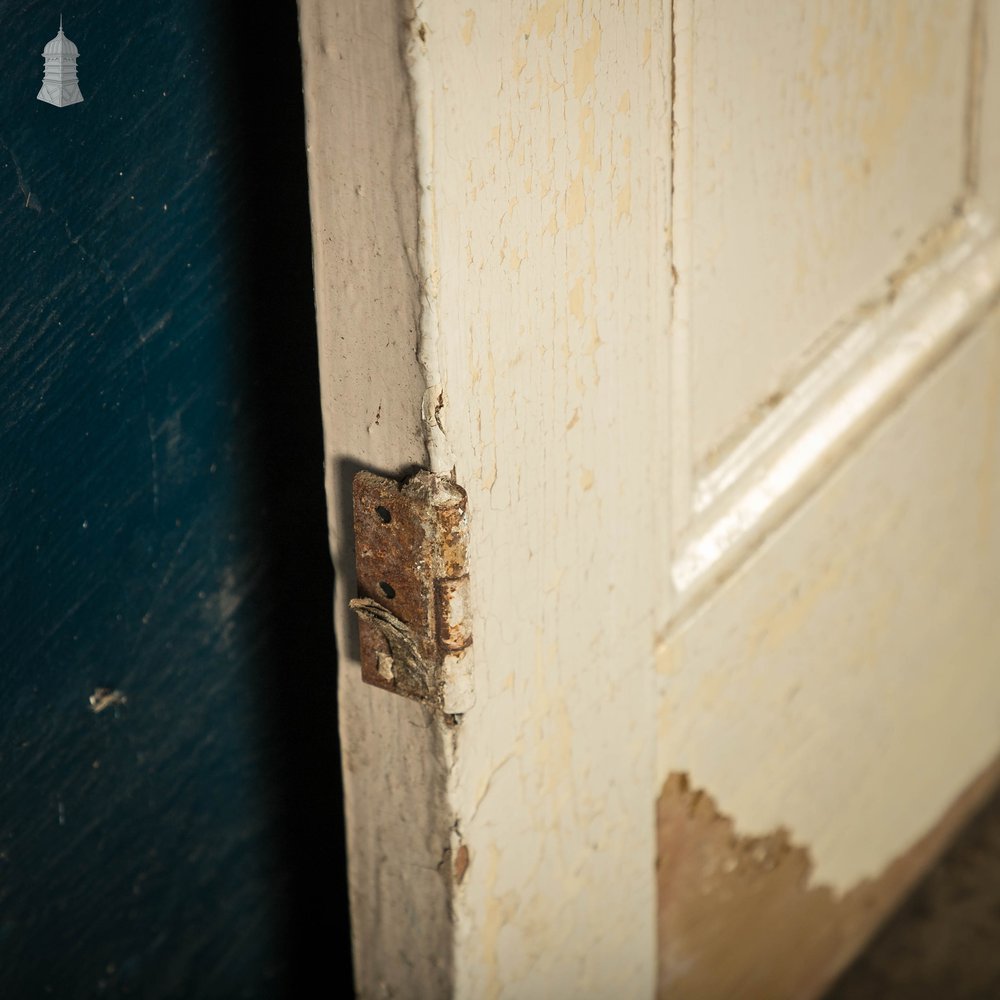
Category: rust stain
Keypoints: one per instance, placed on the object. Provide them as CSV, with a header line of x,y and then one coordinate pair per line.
x,y
461,863
413,585
737,916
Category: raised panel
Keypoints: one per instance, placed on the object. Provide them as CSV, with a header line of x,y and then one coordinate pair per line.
x,y
843,683
818,144
880,358
787,347
828,687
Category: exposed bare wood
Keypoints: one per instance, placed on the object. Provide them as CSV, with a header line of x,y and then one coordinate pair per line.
x,y
738,915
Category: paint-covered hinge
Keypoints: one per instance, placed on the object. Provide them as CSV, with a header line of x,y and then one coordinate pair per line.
x,y
413,588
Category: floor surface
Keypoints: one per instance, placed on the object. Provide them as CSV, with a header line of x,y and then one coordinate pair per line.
x,y
944,944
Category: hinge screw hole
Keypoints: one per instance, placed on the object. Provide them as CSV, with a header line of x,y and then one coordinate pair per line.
x,y
383,514
387,590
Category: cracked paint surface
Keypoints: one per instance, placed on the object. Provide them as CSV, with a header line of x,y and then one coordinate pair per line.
x,y
849,93
543,281
532,366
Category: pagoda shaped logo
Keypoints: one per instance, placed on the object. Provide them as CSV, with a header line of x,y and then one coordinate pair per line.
x,y
59,85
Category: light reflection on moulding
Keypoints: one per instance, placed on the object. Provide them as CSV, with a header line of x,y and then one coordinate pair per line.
x,y
783,460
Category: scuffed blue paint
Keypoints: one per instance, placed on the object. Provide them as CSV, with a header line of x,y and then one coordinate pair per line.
x,y
136,845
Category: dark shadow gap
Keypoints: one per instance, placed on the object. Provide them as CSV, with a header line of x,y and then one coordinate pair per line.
x,y
260,68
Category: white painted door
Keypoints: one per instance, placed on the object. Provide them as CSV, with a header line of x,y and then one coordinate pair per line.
x,y
698,303
831,663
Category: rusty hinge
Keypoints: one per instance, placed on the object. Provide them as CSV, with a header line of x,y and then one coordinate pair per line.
x,y
413,588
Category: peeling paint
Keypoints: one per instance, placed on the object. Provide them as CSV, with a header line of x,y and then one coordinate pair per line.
x,y
557,286
542,138
739,916
421,88
585,60
370,318
468,26
461,863
846,631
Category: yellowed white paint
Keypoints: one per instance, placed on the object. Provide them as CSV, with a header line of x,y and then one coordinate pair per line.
x,y
826,137
845,683
783,344
547,139
986,117
831,661
877,361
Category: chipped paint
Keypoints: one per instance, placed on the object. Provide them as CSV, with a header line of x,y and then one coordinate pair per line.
x,y
536,296
554,188
421,97
846,631
729,902
468,26
585,60
461,863
369,306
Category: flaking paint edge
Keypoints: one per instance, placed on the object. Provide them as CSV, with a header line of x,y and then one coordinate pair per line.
x,y
555,897
421,89
364,197
739,914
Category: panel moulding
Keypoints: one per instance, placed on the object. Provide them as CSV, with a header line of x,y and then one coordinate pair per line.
x,y
861,369
883,352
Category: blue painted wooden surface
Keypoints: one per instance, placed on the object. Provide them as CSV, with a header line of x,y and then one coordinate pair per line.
x,y
161,517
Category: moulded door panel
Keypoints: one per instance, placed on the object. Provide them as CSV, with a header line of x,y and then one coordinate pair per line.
x,y
829,665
